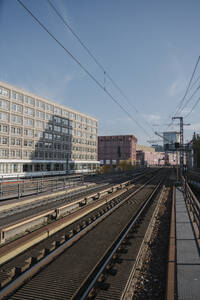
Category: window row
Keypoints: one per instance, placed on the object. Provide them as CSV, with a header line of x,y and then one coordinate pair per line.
x,y
86,157
37,154
30,167
84,149
44,106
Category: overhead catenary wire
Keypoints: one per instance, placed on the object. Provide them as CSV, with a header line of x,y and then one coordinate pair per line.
x,y
81,66
193,107
190,98
189,87
106,74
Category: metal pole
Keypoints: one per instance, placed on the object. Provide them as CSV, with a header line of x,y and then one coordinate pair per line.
x,y
1,187
18,190
176,166
181,146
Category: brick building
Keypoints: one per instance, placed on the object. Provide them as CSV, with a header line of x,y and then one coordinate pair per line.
x,y
116,148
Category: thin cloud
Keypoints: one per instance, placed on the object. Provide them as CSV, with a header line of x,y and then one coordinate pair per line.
x,y
176,88
151,117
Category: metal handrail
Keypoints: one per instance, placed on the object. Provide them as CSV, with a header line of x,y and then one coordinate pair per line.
x,y
192,204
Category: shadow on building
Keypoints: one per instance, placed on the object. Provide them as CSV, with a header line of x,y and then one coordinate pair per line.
x,y
52,154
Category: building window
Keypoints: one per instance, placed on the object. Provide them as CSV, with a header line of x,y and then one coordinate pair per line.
x,y
29,100
28,122
49,107
15,168
57,137
72,115
48,127
18,153
57,119
4,104
4,140
57,128
16,119
49,117
28,132
40,104
65,113
5,128
65,130
65,122
57,110
16,130
3,153
39,134
4,92
17,96
28,111
18,142
48,136
39,124
12,142
40,114
12,153
28,143
17,107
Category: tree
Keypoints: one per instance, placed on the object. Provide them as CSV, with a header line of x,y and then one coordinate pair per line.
x,y
196,149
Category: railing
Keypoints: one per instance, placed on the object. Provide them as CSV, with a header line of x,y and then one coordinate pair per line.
x,y
192,203
26,187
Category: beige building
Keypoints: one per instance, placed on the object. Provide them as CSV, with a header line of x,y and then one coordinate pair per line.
x,y
144,148
39,136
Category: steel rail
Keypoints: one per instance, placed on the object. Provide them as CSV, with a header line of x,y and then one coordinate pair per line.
x,y
93,276
17,282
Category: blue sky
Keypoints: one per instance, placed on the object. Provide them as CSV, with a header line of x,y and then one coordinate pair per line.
x,y
148,47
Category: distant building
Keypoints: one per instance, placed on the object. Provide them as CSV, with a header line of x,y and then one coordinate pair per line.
x,y
158,148
145,148
169,140
116,148
146,158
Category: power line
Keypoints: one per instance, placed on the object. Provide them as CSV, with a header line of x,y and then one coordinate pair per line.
x,y
190,98
95,59
189,87
80,65
187,115
183,99
76,35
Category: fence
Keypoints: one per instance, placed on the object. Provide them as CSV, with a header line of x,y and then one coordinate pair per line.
x,y
26,187
192,203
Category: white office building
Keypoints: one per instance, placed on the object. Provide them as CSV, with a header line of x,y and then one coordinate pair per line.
x,y
39,136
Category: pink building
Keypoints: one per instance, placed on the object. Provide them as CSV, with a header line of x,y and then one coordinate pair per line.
x,y
156,158
113,149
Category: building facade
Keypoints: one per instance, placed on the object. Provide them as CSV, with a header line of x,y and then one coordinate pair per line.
x,y
39,136
169,140
146,158
113,149
145,148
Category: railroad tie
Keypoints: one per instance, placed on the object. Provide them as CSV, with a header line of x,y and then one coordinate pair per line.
x,y
23,266
51,247
6,277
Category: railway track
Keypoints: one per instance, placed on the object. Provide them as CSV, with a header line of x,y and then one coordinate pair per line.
x,y
23,212
63,278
